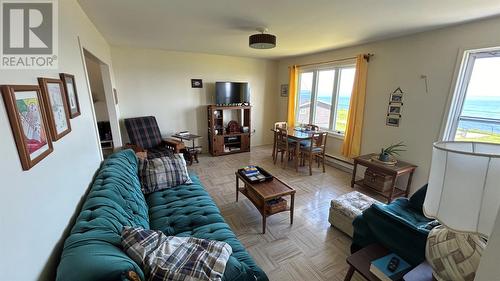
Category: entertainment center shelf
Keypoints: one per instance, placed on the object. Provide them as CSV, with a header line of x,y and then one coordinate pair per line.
x,y
222,139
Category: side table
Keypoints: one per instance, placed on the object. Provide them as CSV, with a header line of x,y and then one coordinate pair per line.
x,y
191,152
361,261
395,171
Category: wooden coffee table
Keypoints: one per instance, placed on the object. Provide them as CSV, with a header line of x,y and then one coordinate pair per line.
x,y
264,192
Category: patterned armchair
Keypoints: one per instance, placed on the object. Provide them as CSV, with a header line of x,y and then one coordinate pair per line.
x,y
145,136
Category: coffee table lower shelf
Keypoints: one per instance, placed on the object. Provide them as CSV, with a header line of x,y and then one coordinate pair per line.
x,y
257,204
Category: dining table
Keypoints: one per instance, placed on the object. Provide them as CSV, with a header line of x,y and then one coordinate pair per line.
x,y
299,135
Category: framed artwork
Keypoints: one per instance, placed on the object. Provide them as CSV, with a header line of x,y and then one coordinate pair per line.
x,y
71,94
56,106
393,120
397,95
394,108
28,123
284,90
196,83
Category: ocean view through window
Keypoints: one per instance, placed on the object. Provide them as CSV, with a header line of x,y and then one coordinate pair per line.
x,y
324,97
477,116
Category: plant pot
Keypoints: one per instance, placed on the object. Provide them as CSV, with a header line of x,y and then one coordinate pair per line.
x,y
384,157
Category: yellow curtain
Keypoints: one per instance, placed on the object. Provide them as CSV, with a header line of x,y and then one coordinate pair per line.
x,y
352,139
292,94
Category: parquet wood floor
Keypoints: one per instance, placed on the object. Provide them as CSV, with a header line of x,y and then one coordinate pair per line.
x,y
310,249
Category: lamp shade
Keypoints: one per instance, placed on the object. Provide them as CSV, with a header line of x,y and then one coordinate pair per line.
x,y
464,186
262,41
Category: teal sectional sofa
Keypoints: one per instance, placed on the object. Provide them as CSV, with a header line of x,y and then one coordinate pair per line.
x,y
93,252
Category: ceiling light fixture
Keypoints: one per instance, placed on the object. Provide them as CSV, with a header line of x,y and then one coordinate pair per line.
x,y
262,40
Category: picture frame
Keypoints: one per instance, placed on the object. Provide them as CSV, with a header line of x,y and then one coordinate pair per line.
x,y
396,97
56,106
393,120
196,83
284,90
71,94
394,108
28,121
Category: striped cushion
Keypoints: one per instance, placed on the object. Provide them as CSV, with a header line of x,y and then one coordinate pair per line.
x,y
175,258
163,172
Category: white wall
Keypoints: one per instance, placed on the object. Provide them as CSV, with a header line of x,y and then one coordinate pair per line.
x,y
157,82
399,63
37,205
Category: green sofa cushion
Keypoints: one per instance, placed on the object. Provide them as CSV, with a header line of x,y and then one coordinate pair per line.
x,y
93,250
188,210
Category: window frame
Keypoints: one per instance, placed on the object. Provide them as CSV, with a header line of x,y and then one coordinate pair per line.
x,y
315,69
459,93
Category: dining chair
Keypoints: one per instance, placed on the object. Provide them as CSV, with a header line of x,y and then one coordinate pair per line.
x,y
278,125
283,145
315,150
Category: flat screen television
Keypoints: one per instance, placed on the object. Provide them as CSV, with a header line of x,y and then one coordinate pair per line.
x,y
232,92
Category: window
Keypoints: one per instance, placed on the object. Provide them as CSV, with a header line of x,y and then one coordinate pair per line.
x,y
475,110
324,96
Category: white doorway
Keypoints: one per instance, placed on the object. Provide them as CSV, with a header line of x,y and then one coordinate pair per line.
x,y
104,103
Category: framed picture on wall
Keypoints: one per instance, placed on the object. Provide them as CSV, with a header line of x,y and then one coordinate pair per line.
x,y
71,94
396,97
394,108
28,122
393,120
284,90
196,83
56,106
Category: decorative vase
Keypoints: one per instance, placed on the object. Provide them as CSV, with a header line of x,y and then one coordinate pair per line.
x,y
453,255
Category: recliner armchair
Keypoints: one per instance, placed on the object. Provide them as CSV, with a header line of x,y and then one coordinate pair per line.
x,y
399,226
144,135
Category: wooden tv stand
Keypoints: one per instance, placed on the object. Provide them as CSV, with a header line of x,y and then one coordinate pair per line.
x,y
221,142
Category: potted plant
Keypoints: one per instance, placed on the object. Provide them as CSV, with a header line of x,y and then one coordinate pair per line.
x,y
392,150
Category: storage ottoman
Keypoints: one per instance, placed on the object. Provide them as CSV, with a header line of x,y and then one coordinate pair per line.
x,y
345,208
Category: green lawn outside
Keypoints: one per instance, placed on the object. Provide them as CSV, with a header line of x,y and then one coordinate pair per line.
x,y
341,121
477,135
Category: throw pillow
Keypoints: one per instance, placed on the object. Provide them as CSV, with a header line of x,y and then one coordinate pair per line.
x,y
161,173
175,258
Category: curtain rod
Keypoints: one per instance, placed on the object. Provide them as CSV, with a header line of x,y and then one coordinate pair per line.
x,y
365,56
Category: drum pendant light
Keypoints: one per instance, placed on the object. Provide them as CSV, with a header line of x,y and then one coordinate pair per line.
x,y
262,40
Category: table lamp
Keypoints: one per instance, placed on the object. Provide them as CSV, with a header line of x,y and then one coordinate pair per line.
x,y
464,196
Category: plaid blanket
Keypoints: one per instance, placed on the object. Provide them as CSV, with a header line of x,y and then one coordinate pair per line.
x,y
164,172
175,258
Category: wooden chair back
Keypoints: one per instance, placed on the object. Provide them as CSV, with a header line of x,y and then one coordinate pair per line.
x,y
318,140
280,125
282,137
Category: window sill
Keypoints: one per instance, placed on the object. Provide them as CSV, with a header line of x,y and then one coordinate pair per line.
x,y
336,135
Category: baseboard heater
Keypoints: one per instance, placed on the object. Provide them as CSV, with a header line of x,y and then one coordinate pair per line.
x,y
339,163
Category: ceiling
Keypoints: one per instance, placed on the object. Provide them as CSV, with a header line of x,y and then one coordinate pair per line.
x,y
301,26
